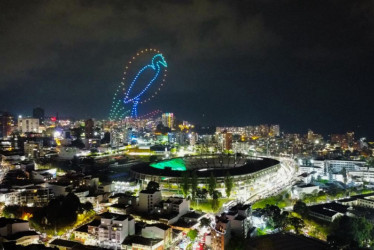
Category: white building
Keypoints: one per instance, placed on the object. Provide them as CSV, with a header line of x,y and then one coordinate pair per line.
x,y
26,125
68,153
148,199
32,149
158,231
309,169
329,211
12,226
18,231
172,209
176,205
338,165
299,191
275,130
114,228
364,174
168,120
60,188
239,217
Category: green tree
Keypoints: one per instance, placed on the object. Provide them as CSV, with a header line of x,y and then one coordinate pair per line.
x,y
205,222
348,232
229,184
185,185
297,223
152,185
192,234
202,193
344,173
275,217
12,211
60,213
215,201
237,243
370,162
87,206
152,158
301,208
212,184
194,185
281,220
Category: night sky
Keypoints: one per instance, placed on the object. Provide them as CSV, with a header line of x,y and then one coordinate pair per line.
x,y
301,64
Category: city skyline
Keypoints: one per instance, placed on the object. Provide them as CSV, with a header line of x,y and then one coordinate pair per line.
x,y
191,125
274,62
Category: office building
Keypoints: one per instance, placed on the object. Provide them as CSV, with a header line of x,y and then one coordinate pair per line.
x,y
28,125
39,114
167,120
6,123
88,128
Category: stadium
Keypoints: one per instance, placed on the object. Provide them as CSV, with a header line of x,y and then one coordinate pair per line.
x,y
249,173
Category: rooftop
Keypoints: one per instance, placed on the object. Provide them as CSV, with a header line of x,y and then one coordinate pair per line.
x,y
140,240
64,243
193,215
6,221
94,223
147,191
285,241
159,225
114,216
83,229
20,235
329,209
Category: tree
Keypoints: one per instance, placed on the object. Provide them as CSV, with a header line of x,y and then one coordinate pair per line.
x,y
237,243
192,234
215,203
228,184
344,173
348,232
185,185
301,208
201,193
12,211
87,206
152,158
205,222
297,223
281,221
212,184
194,184
153,186
272,213
370,162
71,202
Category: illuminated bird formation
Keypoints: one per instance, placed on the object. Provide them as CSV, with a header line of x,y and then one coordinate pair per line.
x,y
158,61
138,90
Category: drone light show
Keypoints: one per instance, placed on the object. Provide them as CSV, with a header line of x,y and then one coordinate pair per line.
x,y
143,78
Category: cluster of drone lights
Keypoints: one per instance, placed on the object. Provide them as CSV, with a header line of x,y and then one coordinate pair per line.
x,y
150,114
117,109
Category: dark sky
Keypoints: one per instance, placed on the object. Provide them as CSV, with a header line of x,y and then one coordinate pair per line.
x,y
302,64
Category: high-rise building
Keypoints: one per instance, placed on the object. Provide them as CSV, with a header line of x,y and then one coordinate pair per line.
x,y
38,113
6,123
88,129
28,125
274,130
168,120
227,141
350,137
